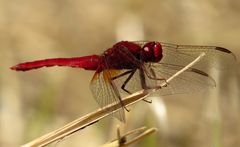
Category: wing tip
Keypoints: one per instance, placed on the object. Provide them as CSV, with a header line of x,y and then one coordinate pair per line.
x,y
223,50
226,51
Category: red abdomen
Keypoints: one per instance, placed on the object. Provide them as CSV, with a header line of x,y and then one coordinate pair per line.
x,y
86,62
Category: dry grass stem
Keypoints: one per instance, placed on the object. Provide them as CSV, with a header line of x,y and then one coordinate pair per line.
x,y
139,133
85,121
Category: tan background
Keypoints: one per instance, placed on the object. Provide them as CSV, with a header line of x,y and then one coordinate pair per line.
x,y
37,102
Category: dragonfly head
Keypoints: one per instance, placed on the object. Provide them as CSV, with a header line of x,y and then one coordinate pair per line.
x,y
151,52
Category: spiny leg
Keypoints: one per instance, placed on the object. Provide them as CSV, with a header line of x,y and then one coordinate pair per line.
x,y
147,101
127,80
120,100
131,73
122,74
143,83
155,77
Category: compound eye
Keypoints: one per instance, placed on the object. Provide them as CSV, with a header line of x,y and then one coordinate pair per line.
x,y
157,48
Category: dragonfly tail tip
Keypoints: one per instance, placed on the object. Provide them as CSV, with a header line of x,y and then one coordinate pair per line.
x,y
16,68
13,68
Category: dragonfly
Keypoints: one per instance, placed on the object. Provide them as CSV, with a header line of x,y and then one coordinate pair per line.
x,y
129,66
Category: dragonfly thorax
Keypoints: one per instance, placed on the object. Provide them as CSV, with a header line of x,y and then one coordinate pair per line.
x,y
128,55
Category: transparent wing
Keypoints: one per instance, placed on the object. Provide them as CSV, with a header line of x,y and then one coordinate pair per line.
x,y
216,57
192,80
175,57
104,92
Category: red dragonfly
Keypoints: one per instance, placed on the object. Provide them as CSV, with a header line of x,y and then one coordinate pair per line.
x,y
127,67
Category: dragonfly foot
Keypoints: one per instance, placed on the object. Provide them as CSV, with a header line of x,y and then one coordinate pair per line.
x,y
166,83
126,109
148,101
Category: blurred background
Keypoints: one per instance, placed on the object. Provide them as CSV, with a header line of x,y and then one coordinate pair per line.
x,y
37,102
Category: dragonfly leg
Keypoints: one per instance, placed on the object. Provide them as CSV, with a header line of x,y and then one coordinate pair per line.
x,y
127,80
115,89
155,77
143,83
126,109
123,88
122,74
148,101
